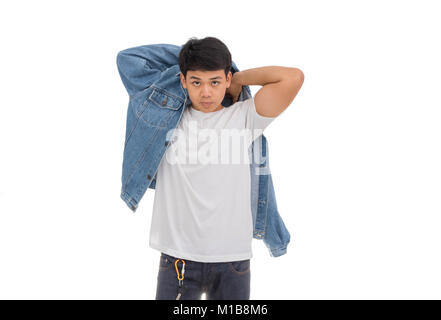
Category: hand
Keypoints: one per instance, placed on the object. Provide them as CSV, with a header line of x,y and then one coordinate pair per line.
x,y
235,88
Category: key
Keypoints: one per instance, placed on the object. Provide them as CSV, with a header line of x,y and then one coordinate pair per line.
x,y
179,290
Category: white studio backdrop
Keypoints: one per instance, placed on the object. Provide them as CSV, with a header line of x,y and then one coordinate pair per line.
x,y
355,159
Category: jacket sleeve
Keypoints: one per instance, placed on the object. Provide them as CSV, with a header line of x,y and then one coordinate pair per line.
x,y
139,67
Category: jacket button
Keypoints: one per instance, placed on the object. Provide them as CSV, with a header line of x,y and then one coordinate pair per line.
x,y
149,177
166,143
164,101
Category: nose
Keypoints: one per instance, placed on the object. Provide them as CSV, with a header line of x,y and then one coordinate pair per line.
x,y
206,91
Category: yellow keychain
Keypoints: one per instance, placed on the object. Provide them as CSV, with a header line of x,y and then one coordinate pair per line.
x,y
180,277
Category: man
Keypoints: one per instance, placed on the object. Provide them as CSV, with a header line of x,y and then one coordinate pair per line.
x,y
204,231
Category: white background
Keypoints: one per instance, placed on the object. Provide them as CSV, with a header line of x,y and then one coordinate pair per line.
x,y
355,159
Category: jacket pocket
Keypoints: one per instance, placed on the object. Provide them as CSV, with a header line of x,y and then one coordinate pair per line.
x,y
158,108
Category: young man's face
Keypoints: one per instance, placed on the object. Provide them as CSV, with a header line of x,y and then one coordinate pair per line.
x,y
206,86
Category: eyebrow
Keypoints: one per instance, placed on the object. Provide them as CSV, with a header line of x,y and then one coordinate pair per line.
x,y
193,77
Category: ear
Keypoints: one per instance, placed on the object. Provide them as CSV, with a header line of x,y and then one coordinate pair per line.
x,y
229,77
181,75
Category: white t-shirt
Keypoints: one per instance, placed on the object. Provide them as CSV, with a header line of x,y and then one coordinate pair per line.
x,y
202,204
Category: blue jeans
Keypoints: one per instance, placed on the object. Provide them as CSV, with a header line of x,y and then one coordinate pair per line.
x,y
218,280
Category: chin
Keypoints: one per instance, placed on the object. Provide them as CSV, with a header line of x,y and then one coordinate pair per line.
x,y
208,109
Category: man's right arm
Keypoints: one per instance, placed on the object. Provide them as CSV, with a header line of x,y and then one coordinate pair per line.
x,y
141,66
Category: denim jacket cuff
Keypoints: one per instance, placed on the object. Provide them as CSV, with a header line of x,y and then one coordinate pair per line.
x,y
277,252
131,203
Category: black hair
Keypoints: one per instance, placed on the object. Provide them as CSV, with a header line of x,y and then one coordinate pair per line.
x,y
207,54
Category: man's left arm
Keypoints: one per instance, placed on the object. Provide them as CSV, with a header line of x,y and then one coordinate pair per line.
x,y
280,86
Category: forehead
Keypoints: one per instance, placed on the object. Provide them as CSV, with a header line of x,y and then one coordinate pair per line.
x,y
206,75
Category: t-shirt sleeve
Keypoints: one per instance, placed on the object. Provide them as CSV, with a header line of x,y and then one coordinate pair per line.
x,y
253,120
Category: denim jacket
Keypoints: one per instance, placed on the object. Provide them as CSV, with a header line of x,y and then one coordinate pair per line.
x,y
157,100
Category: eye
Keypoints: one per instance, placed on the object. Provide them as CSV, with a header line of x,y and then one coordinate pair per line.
x,y
194,82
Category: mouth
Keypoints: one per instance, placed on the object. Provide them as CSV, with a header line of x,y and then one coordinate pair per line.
x,y
206,104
